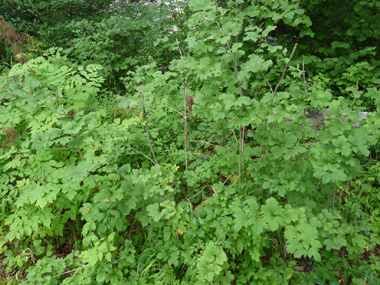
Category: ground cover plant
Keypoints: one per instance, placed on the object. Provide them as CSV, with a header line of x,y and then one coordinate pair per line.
x,y
185,156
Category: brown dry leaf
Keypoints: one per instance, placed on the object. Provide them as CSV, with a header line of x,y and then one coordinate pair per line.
x,y
299,268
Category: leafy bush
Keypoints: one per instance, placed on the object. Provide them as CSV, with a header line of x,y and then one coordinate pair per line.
x,y
206,172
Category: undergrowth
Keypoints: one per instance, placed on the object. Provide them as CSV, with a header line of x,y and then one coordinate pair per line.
x,y
207,172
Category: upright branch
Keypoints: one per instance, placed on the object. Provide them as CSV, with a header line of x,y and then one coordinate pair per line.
x,y
357,88
139,152
282,77
179,50
185,131
271,103
286,67
185,106
271,89
305,86
146,128
185,117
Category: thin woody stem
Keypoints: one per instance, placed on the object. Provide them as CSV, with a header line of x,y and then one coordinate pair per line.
x,y
142,154
171,109
305,86
179,50
185,117
286,66
185,131
271,103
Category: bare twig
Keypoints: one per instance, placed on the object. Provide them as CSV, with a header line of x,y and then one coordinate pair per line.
x,y
286,66
146,127
185,117
224,183
171,108
271,103
308,72
117,171
97,185
252,192
42,83
186,142
70,271
271,89
357,88
77,147
143,154
179,50
315,139
37,98
304,83
29,114
298,157
58,102
284,249
221,30
130,231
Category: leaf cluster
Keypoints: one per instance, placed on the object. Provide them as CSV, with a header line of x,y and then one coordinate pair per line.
x,y
116,170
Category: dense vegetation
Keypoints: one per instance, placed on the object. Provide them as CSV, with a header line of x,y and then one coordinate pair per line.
x,y
168,143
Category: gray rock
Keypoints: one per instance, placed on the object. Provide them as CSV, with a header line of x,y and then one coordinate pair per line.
x,y
318,118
